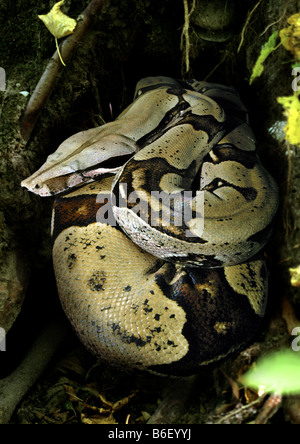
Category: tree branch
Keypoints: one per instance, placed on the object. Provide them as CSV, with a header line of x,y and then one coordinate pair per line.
x,y
50,75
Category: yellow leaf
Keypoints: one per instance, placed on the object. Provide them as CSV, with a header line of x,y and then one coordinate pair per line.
x,y
295,276
58,23
291,107
294,20
290,36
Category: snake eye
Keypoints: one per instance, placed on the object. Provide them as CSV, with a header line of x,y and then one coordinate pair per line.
x,y
215,184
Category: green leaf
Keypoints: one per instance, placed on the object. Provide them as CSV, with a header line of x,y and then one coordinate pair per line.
x,y
268,47
278,372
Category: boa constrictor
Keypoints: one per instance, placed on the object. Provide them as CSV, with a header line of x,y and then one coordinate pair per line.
x,y
157,255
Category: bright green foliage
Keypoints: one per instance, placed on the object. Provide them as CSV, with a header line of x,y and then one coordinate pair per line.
x,y
278,372
268,47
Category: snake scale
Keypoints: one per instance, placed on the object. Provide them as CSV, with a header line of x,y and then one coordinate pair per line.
x,y
158,228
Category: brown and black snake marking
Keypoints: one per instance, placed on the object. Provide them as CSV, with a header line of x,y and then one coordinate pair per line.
x,y
137,312
158,259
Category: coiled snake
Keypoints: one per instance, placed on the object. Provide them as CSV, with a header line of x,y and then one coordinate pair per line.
x,y
157,255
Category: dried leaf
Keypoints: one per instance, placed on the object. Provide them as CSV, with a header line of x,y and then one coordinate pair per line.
x,y
87,419
71,391
58,23
104,414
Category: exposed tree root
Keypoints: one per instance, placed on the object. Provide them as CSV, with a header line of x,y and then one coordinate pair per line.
x,y
17,384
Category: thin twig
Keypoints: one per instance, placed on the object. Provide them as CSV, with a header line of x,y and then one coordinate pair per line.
x,y
247,23
50,75
217,65
241,410
276,21
185,33
269,409
58,52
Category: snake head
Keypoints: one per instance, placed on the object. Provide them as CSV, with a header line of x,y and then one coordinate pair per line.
x,y
80,160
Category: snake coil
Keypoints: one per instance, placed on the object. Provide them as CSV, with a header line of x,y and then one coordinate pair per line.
x,y
158,258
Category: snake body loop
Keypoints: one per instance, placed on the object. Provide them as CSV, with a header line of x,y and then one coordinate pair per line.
x,y
158,260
